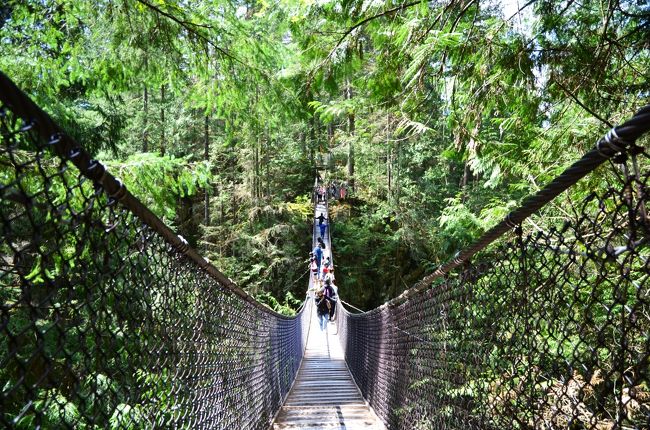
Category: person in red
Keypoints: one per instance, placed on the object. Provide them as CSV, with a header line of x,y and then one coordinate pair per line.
x,y
326,269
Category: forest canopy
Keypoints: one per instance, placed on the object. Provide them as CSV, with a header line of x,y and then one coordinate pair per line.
x,y
440,115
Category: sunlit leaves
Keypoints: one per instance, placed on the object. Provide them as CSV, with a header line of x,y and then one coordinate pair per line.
x,y
172,178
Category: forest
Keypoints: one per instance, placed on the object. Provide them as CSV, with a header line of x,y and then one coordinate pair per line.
x,y
440,115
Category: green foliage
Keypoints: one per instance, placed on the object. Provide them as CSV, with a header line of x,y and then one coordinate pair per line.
x,y
126,417
459,225
287,307
57,410
160,181
214,116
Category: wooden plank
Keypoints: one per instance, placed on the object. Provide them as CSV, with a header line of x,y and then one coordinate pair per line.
x,y
324,395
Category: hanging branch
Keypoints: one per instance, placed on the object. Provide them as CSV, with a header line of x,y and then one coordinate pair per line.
x,y
367,20
189,26
354,27
582,105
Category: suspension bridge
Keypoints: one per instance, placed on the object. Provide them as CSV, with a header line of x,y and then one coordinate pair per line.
x,y
109,319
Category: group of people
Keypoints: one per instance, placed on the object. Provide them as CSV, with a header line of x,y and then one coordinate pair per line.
x,y
320,260
322,271
335,190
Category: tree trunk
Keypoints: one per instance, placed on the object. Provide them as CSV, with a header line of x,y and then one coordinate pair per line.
x,y
472,147
145,125
267,156
463,182
256,154
389,161
330,135
312,139
162,119
397,175
234,206
206,157
302,138
222,212
350,145
256,172
389,172
145,122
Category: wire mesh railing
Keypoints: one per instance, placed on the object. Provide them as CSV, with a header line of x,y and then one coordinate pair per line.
x,y
549,330
107,318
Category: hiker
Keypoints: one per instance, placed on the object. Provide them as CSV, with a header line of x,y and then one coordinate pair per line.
x,y
322,228
313,267
330,277
318,255
326,267
330,294
321,224
323,306
326,252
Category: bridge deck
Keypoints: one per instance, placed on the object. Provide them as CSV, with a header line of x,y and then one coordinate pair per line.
x,y
324,395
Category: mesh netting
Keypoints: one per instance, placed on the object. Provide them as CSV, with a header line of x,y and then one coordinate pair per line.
x,y
544,331
104,324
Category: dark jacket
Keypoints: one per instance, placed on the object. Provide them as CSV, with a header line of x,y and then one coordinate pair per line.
x,y
321,306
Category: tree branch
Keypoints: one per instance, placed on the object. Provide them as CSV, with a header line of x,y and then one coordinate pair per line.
x,y
188,26
582,105
357,25
370,18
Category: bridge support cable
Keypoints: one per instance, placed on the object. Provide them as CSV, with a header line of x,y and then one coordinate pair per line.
x,y
549,330
108,319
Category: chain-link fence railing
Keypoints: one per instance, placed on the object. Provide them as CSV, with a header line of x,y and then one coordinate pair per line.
x,y
549,330
108,319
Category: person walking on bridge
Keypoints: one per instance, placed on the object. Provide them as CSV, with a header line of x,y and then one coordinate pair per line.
x,y
321,224
330,294
318,255
313,267
323,306
326,267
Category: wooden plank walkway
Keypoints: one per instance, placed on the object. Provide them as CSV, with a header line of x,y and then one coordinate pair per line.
x,y
324,395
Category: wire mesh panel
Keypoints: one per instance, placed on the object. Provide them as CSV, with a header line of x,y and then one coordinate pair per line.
x,y
545,331
105,324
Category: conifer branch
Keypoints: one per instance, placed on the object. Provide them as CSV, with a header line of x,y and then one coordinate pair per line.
x,y
189,27
582,105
